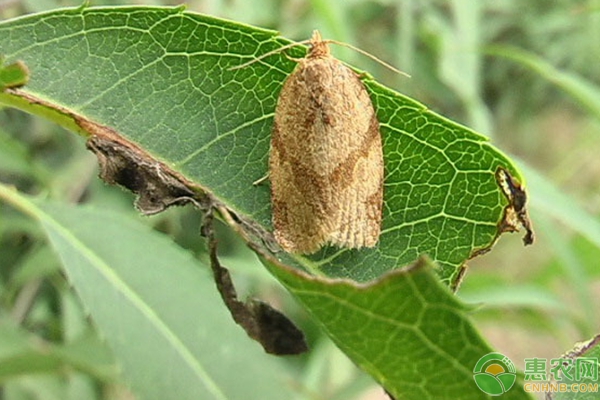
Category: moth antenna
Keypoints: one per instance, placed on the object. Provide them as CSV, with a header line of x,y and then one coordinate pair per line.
x,y
313,41
270,53
371,56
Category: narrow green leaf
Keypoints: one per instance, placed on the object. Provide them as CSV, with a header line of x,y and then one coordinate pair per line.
x,y
573,272
157,308
39,387
161,78
459,66
584,92
40,262
513,296
22,353
551,200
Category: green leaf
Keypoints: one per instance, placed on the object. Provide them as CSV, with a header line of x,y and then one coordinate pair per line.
x,y
157,309
587,385
406,329
161,78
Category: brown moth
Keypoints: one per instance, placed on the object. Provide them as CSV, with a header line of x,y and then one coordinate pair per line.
x,y
326,160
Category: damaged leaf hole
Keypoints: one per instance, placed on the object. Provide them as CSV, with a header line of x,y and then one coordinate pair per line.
x,y
515,216
157,188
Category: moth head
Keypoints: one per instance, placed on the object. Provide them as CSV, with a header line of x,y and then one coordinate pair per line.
x,y
318,47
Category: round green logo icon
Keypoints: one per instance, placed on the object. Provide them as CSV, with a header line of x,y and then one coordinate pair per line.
x,y
494,374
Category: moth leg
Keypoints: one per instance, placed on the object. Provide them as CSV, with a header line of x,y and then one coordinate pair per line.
x,y
261,180
362,75
296,60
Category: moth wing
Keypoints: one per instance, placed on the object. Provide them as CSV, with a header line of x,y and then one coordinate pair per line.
x,y
298,213
358,216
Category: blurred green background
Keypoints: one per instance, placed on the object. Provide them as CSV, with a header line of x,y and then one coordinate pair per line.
x,y
525,74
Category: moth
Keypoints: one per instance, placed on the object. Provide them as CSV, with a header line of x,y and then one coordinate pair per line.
x,y
326,158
